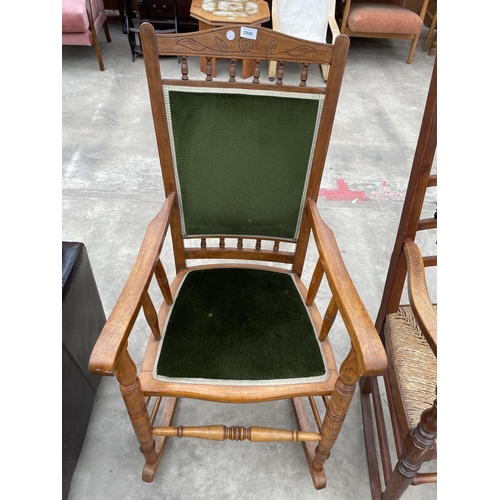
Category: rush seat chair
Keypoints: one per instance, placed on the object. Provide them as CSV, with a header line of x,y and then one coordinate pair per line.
x,y
409,333
241,165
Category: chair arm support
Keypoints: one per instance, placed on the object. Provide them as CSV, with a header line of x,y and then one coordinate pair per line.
x,y
113,338
420,302
365,340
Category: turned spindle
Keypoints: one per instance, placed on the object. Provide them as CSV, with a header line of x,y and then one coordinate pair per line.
x,y
237,433
317,276
280,73
232,71
256,73
184,68
150,314
303,75
209,69
162,280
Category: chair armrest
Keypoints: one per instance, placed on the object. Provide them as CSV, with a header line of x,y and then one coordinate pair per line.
x,y
113,338
364,337
420,302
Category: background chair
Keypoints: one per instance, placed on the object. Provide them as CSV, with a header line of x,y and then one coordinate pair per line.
x,y
309,22
410,337
432,15
241,193
162,15
81,22
381,19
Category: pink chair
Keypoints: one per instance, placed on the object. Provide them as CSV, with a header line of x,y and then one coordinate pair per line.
x,y
381,19
81,21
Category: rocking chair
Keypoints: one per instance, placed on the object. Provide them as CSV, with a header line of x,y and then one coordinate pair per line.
x,y
241,166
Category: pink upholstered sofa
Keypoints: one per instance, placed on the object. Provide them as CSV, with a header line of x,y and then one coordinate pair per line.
x,y
82,21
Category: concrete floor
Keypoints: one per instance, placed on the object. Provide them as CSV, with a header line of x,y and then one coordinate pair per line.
x,y
111,187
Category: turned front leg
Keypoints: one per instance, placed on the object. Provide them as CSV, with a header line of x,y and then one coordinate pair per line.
x,y
130,388
337,408
419,445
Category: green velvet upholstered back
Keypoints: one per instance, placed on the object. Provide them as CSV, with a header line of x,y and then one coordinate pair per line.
x,y
241,159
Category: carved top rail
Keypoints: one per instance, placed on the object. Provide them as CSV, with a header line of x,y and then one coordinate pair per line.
x,y
227,42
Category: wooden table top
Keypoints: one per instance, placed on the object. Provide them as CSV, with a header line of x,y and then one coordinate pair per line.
x,y
218,12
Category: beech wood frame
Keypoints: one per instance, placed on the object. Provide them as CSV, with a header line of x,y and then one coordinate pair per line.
x,y
366,357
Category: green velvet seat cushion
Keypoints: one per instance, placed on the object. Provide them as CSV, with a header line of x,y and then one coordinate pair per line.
x,y
241,160
233,324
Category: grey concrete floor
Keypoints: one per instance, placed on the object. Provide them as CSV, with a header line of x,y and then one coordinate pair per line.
x,y
111,189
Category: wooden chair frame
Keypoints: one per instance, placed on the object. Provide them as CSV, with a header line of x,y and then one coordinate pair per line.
x,y
418,444
111,357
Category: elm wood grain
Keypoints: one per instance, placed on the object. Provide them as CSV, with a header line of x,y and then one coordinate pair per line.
x,y
110,354
399,268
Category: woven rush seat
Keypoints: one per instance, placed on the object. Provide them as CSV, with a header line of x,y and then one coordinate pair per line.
x,y
412,367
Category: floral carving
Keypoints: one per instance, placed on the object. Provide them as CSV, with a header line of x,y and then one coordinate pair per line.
x,y
191,44
245,45
272,47
221,44
300,51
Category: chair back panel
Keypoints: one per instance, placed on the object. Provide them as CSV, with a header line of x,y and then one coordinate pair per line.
x,y
251,151
309,24
242,156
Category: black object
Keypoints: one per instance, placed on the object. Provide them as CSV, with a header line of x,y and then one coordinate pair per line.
x,y
82,320
162,14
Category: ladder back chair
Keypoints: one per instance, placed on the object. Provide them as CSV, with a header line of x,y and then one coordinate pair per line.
x,y
242,186
409,333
